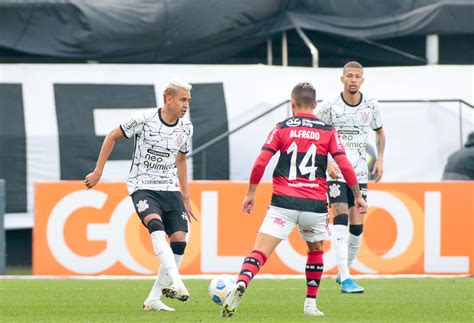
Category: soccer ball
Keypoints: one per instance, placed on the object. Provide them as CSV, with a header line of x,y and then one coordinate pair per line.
x,y
220,287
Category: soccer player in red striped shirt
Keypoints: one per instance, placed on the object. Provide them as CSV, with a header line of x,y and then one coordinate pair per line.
x,y
299,193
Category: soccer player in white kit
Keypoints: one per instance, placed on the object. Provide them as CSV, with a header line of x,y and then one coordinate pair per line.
x,y
158,183
353,115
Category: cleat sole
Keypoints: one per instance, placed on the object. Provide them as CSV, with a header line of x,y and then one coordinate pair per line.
x,y
352,292
170,292
228,309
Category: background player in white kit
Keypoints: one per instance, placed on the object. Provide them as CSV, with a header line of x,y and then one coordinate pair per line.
x,y
158,172
353,115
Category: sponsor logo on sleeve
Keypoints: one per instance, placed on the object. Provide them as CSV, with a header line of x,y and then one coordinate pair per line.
x,y
130,124
271,136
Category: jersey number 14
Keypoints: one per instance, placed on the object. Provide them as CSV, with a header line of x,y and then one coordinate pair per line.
x,y
309,158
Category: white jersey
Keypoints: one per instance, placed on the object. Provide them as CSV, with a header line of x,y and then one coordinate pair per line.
x,y
156,146
353,124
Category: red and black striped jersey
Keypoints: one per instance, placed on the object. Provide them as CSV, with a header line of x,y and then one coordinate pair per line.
x,y
299,178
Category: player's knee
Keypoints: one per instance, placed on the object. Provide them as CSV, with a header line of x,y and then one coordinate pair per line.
x,y
341,219
155,225
356,229
178,247
315,246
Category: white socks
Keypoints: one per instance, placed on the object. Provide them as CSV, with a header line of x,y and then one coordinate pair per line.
x,y
163,280
353,248
167,260
341,233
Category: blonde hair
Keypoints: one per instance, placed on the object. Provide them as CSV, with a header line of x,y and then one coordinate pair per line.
x,y
175,85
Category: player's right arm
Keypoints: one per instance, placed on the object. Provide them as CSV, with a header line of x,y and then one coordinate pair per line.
x,y
323,112
107,146
258,170
129,128
269,149
338,152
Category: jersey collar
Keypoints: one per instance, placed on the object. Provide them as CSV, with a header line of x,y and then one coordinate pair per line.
x,y
302,114
353,105
164,122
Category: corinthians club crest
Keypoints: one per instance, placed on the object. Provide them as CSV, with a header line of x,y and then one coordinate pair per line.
x,y
142,205
334,190
364,117
180,138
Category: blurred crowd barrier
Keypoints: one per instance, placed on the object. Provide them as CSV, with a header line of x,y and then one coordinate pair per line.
x,y
411,228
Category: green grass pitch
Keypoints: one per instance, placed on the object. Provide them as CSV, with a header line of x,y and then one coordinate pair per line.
x,y
385,300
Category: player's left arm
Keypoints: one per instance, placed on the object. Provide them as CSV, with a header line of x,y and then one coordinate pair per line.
x,y
376,125
380,143
182,168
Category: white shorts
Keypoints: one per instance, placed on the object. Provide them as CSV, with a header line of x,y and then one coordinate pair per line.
x,y
279,223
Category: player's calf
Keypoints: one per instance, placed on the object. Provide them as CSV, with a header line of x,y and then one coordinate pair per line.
x,y
251,266
313,271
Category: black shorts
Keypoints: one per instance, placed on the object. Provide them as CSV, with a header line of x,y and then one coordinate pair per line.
x,y
168,205
339,192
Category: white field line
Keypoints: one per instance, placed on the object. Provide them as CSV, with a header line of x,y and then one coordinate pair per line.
x,y
210,276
